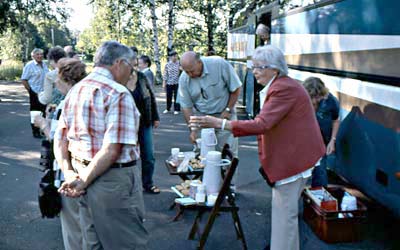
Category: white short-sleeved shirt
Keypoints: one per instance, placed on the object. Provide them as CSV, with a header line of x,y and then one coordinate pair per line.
x,y
35,74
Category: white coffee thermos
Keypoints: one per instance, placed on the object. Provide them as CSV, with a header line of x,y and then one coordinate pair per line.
x,y
208,141
212,172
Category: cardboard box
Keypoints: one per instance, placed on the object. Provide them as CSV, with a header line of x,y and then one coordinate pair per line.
x,y
334,226
322,198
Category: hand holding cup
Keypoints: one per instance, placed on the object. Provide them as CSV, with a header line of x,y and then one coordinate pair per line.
x,y
35,113
205,122
39,121
193,125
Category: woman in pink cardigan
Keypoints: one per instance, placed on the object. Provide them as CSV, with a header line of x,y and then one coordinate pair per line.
x,y
289,141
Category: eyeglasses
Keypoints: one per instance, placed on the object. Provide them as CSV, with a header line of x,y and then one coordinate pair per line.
x,y
132,68
203,93
261,67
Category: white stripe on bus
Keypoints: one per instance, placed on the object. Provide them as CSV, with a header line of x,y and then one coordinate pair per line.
x,y
296,44
385,95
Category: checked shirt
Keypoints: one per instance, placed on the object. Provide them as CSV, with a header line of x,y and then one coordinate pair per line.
x,y
99,110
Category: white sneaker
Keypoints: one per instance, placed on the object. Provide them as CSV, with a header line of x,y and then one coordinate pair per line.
x,y
176,112
165,111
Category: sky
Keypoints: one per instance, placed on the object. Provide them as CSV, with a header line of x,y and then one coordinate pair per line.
x,y
80,15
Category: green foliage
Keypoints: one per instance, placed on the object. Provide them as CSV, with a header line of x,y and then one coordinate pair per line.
x,y
8,18
11,46
199,23
10,70
39,31
30,21
45,27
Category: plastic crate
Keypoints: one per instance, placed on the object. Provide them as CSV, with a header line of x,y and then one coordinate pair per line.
x,y
328,225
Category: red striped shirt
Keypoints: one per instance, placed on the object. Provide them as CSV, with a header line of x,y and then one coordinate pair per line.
x,y
99,110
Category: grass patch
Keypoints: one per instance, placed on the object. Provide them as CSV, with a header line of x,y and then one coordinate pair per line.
x,y
11,70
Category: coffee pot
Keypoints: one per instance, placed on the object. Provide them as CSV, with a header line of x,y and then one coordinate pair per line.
x,y
212,178
208,141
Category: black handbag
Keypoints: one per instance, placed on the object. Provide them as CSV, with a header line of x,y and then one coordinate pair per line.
x,y
49,197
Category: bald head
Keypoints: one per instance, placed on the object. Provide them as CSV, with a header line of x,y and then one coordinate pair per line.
x,y
191,64
189,58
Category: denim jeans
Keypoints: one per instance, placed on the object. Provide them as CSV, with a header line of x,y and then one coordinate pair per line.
x,y
147,155
320,175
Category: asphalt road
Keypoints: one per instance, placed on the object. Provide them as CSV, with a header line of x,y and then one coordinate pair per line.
x,y
21,226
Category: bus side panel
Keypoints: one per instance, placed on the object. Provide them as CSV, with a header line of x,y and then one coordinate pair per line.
x,y
367,155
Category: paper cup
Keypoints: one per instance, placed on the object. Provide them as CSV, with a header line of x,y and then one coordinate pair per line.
x,y
35,113
175,152
211,199
194,126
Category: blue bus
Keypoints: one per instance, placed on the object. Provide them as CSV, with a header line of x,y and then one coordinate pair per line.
x,y
354,47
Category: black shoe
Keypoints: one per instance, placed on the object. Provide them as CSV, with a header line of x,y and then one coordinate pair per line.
x,y
152,190
267,247
36,134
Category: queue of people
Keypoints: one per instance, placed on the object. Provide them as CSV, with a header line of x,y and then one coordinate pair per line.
x,y
102,157
106,120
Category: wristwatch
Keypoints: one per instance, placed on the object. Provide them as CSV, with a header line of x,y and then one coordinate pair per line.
x,y
227,109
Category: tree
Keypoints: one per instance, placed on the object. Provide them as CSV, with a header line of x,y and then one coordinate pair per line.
x,y
155,42
18,15
7,16
171,25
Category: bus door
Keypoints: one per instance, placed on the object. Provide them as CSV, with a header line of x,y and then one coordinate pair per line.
x,y
264,18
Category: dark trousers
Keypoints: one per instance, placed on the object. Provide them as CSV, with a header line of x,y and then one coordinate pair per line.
x,y
319,174
35,105
147,155
172,91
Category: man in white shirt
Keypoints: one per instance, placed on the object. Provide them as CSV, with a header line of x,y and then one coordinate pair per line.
x,y
32,78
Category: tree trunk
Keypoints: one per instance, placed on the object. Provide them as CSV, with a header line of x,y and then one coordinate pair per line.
x,y
171,4
210,27
155,42
23,29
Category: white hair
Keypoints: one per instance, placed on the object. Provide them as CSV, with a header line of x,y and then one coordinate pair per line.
x,y
262,29
36,51
110,51
273,57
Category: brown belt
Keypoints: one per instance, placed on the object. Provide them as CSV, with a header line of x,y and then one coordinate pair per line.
x,y
114,165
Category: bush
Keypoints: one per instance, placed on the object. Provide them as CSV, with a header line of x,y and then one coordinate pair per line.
x,y
11,70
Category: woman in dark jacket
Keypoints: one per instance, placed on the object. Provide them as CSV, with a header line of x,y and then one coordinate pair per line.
x,y
327,112
145,101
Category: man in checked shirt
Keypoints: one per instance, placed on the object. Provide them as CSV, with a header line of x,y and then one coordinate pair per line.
x,y
96,147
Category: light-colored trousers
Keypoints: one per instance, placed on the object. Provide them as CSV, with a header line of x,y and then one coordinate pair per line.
x,y
70,225
111,212
285,220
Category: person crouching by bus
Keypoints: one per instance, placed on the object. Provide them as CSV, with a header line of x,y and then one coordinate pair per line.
x,y
327,111
289,141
